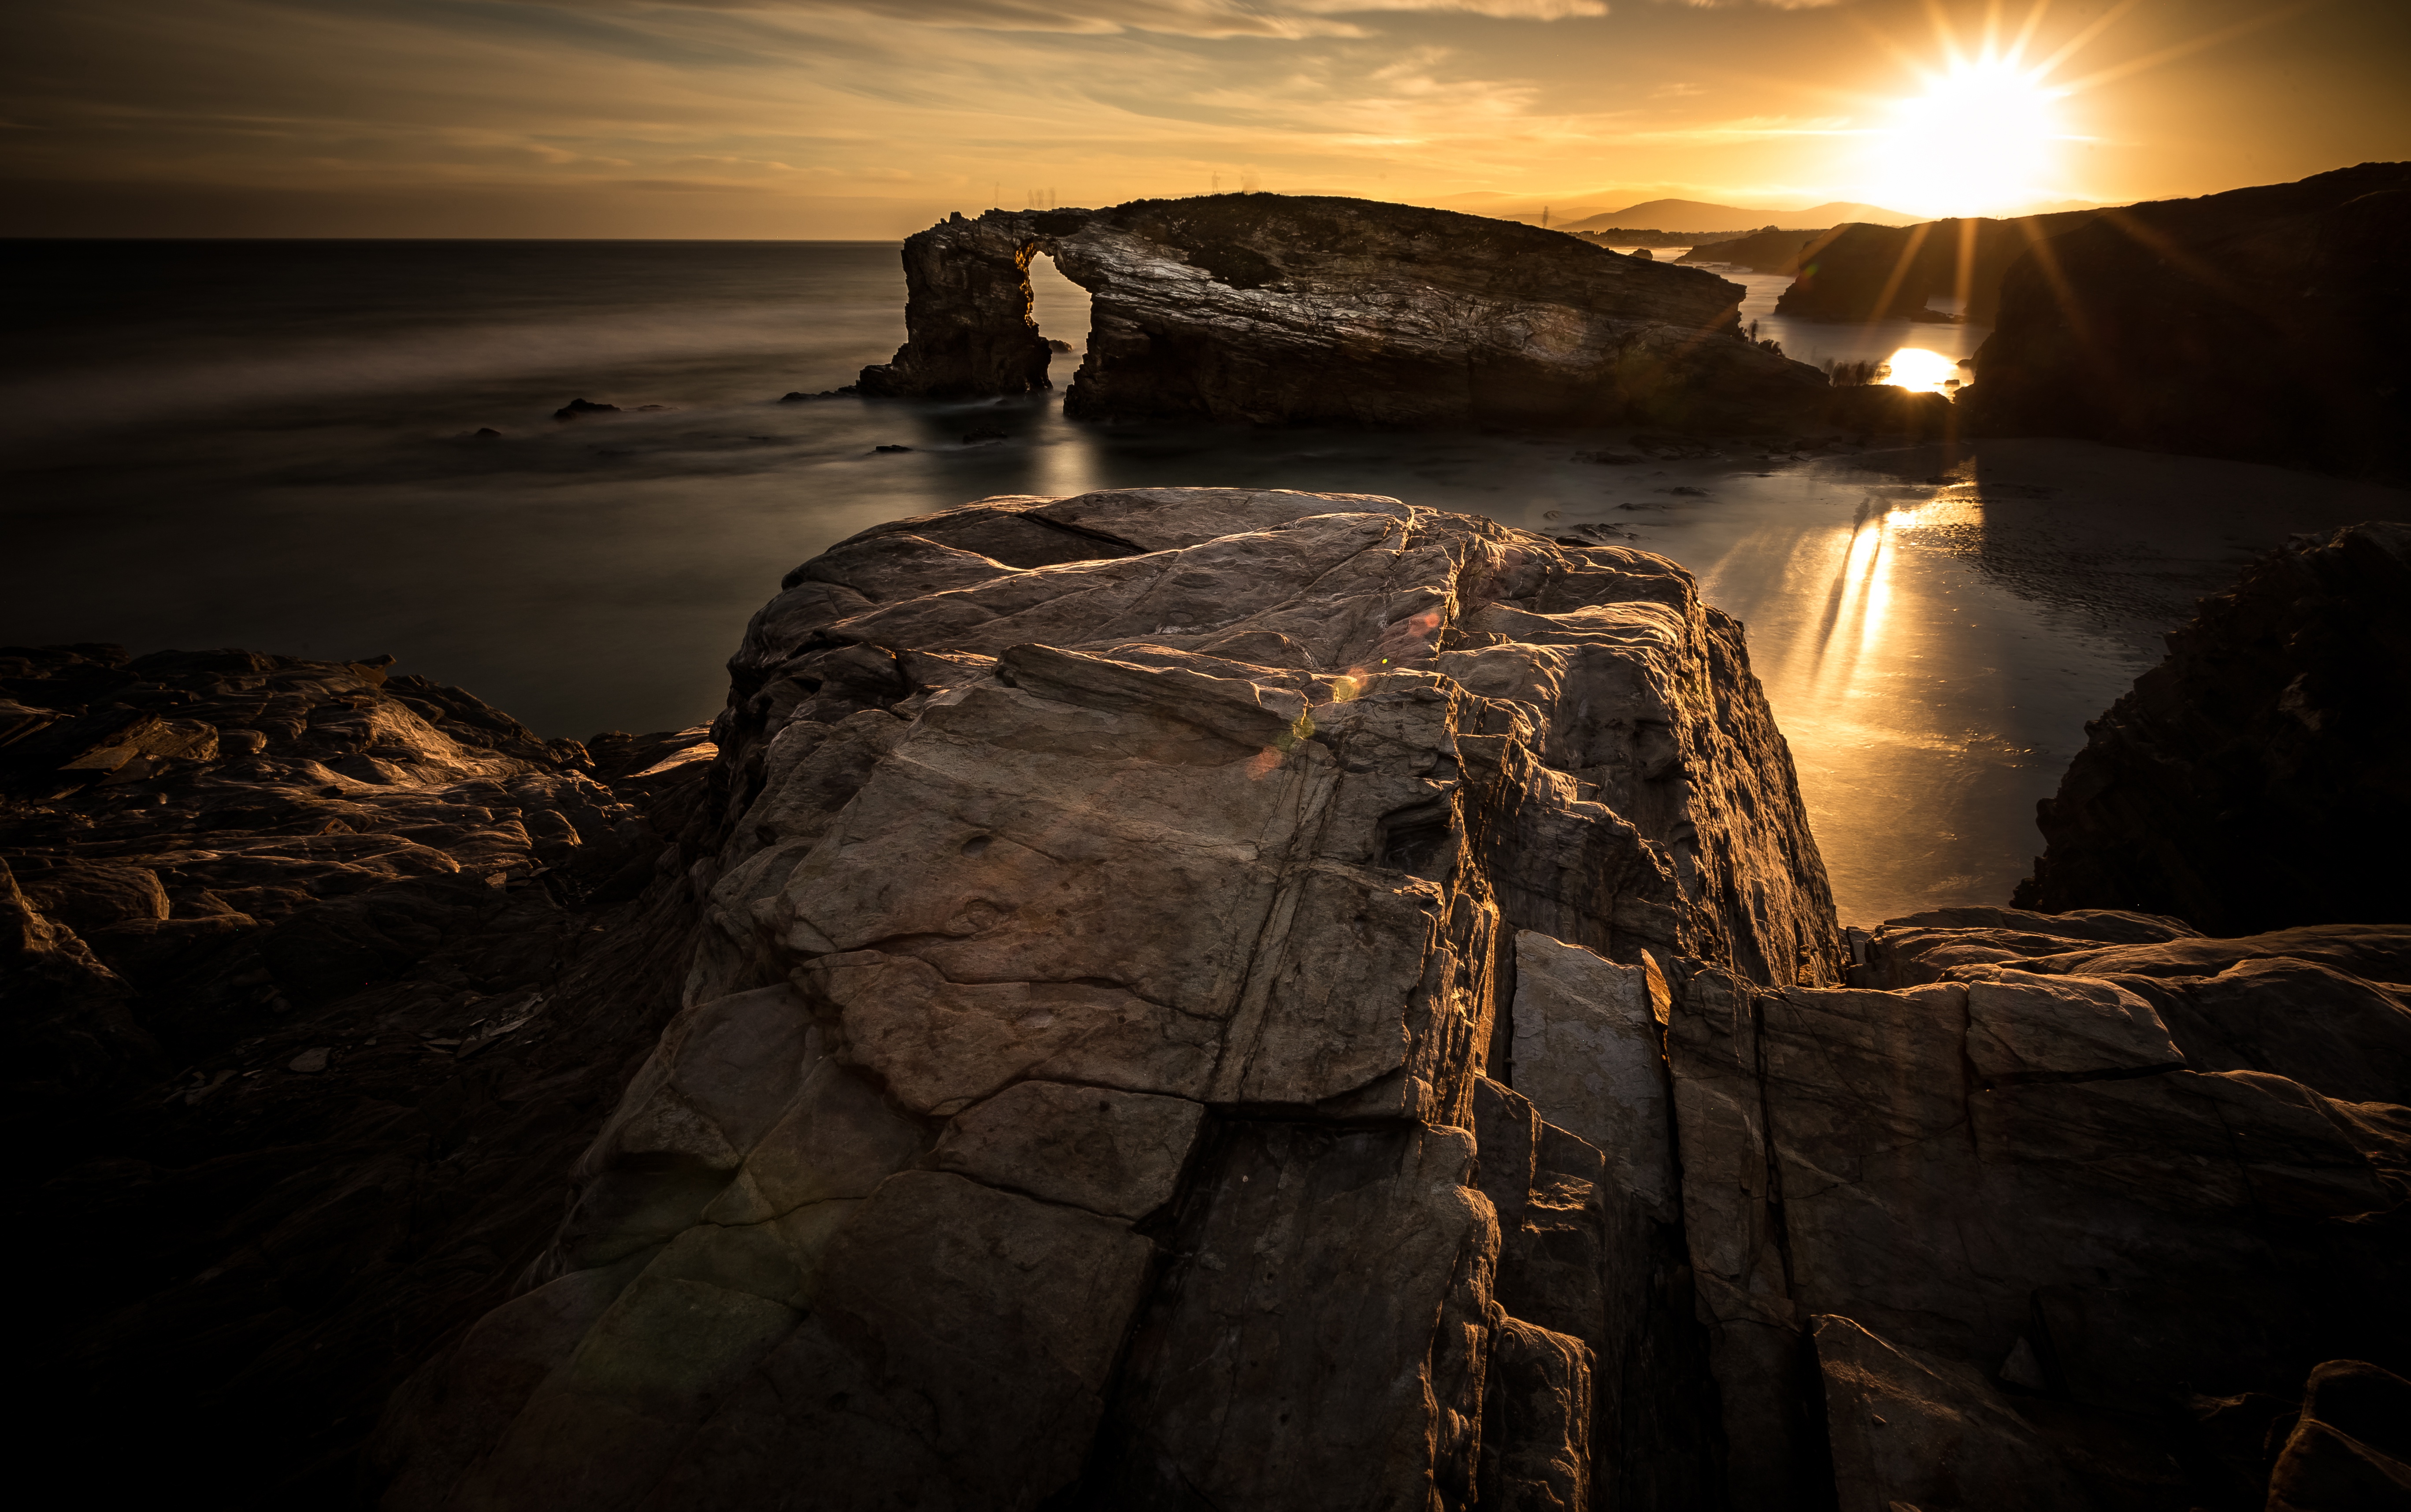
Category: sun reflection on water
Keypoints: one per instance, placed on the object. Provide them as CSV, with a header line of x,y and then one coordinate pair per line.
x,y
1916,367
1860,596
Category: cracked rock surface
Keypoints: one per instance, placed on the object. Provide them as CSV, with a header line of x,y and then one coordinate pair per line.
x,y
2047,1219
1133,906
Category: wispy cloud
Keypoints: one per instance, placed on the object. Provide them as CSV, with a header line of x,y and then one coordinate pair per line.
x,y
1211,18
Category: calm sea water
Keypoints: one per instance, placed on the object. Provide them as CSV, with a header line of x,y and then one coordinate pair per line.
x,y
269,445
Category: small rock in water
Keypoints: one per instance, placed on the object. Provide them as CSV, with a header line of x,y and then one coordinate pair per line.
x,y
649,409
974,438
577,407
1054,345
308,1061
1689,492
891,448
1606,459
486,433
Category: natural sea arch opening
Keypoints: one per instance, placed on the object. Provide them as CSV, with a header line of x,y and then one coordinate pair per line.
x,y
1060,307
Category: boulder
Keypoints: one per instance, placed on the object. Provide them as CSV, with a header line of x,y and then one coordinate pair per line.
x,y
1273,309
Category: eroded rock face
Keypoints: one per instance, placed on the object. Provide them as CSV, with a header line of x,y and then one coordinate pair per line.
x,y
1272,309
1094,1089
2049,1223
2254,779
2253,324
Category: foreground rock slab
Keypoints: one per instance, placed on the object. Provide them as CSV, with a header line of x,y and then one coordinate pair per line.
x,y
1132,905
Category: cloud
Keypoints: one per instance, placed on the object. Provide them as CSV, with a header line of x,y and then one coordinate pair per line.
x,y
1212,18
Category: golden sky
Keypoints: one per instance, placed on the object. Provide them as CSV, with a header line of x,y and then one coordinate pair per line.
x,y
871,118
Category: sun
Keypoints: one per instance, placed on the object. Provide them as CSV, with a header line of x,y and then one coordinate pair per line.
x,y
1982,138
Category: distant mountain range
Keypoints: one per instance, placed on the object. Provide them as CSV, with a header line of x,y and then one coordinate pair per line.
x,y
1600,214
1694,215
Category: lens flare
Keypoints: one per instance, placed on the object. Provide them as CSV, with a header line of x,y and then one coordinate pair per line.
x,y
1982,138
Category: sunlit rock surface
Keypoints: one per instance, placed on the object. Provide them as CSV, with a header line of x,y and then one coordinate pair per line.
x,y
1095,1083
1276,309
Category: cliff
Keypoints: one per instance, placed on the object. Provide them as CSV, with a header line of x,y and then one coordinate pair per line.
x,y
2263,324
1268,309
2254,779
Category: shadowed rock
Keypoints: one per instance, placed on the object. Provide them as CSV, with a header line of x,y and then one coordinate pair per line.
x,y
2256,779
2259,324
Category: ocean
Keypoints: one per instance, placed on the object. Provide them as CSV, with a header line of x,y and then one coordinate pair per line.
x,y
272,445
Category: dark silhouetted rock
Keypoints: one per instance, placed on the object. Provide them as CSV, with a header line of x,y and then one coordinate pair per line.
x,y
2259,324
2256,779
287,948
577,407
1770,250
1859,272
1256,308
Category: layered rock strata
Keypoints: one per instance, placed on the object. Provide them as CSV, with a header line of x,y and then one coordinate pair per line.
x,y
2258,324
1271,308
2254,779
287,949
2064,1209
1180,1029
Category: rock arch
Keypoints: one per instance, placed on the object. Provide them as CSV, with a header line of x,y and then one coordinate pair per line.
x,y
1272,309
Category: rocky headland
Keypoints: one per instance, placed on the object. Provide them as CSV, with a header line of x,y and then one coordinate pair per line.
x,y
1271,308
1176,998
2261,323
1858,271
1770,250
